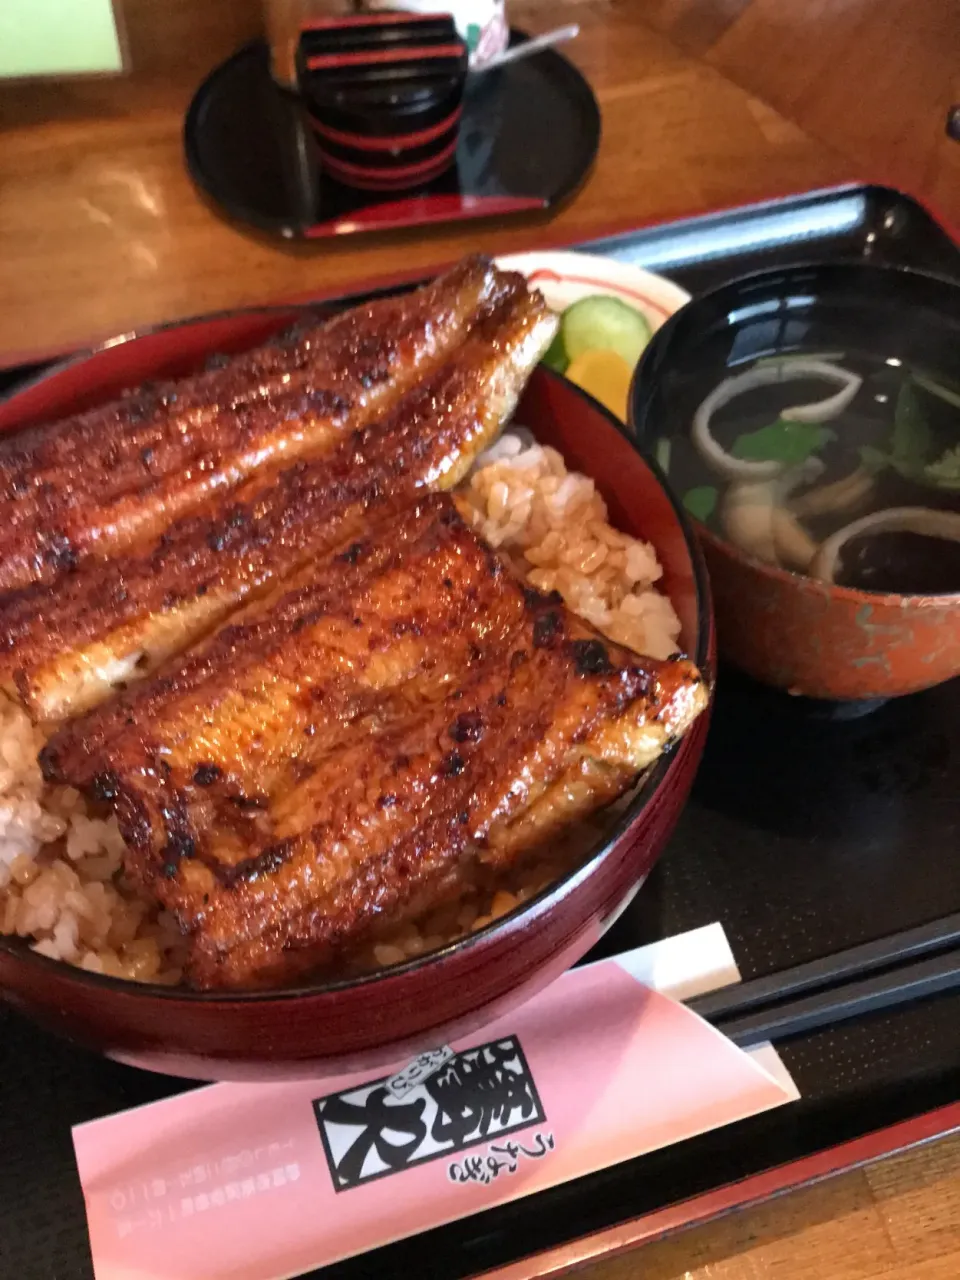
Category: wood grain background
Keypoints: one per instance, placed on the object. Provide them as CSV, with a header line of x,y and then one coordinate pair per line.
x,y
706,103
871,78
897,1220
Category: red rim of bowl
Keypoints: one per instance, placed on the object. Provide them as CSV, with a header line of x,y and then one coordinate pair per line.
x,y
854,595
647,788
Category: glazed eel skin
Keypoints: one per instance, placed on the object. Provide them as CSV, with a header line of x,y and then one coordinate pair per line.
x,y
348,746
65,645
103,480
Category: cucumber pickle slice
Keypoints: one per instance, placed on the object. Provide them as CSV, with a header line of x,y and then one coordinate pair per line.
x,y
604,323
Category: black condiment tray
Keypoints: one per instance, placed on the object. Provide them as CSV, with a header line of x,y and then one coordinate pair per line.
x,y
805,834
527,138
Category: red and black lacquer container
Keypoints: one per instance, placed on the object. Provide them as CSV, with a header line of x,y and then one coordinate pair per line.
x,y
384,93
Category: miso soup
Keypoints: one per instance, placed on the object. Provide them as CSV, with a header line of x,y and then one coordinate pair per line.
x,y
842,466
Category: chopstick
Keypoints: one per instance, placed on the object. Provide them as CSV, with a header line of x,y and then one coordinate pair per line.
x,y
529,47
839,1004
840,985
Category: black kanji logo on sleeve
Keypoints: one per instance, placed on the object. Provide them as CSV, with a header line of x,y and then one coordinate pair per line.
x,y
369,1131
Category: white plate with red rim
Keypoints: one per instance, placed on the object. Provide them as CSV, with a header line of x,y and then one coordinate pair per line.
x,y
564,277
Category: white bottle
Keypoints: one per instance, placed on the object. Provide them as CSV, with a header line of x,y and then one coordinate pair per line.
x,y
481,23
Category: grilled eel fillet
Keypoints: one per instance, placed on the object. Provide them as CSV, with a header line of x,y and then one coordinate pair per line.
x,y
63,647
351,744
103,480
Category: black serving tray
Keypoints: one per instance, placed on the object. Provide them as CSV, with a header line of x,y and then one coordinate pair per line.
x,y
858,223
804,834
528,136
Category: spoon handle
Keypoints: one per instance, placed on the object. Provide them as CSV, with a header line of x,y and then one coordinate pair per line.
x,y
526,50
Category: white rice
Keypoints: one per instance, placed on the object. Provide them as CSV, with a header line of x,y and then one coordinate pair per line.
x,y
553,525
61,883
61,879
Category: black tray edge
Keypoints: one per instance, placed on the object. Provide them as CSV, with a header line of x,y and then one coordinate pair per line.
x,y
602,242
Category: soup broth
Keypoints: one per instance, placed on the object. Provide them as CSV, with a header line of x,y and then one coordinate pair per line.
x,y
845,467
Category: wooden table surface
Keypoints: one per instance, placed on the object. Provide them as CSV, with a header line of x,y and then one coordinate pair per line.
x,y
705,103
101,229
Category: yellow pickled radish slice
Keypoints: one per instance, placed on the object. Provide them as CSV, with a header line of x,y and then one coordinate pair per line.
x,y
606,376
